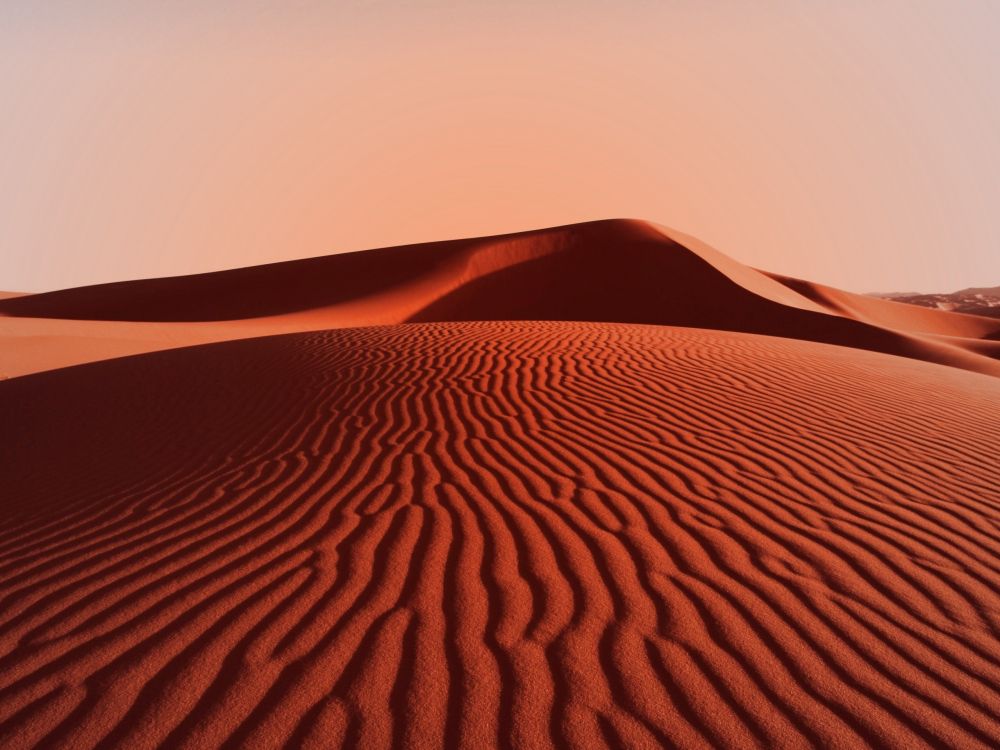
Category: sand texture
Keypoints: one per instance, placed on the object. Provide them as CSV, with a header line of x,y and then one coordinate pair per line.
x,y
501,534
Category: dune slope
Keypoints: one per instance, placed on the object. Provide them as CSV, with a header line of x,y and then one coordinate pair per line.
x,y
518,535
620,271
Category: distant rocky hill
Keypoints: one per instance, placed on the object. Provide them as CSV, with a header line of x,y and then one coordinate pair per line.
x,y
974,301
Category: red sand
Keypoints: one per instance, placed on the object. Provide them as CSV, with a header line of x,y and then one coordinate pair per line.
x,y
619,270
503,534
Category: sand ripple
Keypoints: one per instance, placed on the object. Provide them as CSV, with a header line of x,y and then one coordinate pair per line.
x,y
516,535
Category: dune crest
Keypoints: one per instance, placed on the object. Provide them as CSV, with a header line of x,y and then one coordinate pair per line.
x,y
617,271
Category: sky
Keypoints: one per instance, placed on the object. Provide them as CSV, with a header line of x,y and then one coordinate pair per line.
x,y
850,143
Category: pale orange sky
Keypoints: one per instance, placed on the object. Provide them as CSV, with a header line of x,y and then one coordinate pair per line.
x,y
852,143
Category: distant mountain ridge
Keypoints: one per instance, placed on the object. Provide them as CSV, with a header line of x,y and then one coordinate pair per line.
x,y
971,301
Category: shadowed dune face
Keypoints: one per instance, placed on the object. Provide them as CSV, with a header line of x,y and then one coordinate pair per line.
x,y
619,271
501,535
659,282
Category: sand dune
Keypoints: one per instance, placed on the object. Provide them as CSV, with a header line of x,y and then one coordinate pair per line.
x,y
496,534
891,314
549,489
620,271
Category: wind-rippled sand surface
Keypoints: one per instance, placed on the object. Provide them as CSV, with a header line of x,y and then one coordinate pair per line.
x,y
496,534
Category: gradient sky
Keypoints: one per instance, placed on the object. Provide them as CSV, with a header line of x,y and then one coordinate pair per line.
x,y
852,143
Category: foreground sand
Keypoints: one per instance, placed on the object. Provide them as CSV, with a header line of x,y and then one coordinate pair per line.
x,y
501,535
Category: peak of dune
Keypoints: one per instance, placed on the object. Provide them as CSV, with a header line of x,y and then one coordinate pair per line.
x,y
630,266
611,270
